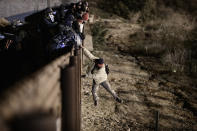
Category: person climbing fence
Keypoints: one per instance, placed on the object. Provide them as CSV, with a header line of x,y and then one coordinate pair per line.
x,y
98,72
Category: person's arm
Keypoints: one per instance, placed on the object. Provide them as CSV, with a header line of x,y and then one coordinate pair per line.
x,y
90,75
48,23
89,72
89,54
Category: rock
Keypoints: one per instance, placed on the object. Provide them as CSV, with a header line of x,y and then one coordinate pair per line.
x,y
91,19
113,79
87,93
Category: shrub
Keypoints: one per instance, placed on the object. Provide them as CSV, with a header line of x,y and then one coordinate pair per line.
x,y
134,5
98,33
189,6
149,11
115,6
176,59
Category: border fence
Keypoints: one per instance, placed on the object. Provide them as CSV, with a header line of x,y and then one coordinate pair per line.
x,y
54,90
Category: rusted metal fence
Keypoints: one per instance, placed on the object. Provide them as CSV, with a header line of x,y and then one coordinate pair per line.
x,y
157,121
71,93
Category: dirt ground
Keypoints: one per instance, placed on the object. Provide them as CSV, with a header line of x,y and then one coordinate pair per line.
x,y
143,92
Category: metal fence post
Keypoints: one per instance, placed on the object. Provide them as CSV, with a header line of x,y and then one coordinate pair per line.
x,y
157,121
79,75
78,82
70,96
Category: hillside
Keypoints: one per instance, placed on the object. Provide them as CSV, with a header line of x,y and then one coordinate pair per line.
x,y
153,69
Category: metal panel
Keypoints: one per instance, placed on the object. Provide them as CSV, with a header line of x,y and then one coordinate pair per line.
x,y
71,94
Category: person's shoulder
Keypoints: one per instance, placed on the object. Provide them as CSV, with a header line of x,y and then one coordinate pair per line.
x,y
103,68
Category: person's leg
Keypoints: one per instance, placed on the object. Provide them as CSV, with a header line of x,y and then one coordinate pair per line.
x,y
107,86
94,92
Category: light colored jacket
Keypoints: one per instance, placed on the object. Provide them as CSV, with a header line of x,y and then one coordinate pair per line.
x,y
99,75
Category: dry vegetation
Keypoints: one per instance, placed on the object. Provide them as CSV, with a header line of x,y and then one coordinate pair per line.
x,y
168,30
167,39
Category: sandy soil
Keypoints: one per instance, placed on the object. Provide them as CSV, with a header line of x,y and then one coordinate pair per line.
x,y
143,93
